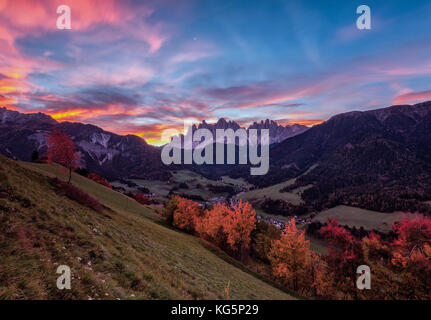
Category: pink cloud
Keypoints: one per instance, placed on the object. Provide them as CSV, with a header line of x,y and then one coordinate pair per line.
x,y
85,14
43,15
412,97
259,96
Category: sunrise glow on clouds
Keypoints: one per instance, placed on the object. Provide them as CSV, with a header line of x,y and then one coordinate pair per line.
x,y
144,66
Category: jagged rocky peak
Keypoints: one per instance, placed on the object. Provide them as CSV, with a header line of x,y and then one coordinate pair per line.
x,y
264,124
11,116
277,133
220,124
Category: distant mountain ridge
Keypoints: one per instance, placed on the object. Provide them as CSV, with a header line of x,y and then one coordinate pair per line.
x,y
277,133
101,151
107,153
378,159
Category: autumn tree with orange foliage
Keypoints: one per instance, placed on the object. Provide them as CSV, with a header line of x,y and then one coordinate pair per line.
x,y
186,214
210,225
238,225
292,261
401,269
62,150
229,226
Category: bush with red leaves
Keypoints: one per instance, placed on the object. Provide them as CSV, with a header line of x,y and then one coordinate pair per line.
x,y
143,199
99,179
78,195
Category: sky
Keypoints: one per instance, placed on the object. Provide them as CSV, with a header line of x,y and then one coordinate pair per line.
x,y
140,67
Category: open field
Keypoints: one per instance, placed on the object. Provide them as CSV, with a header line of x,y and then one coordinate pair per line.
x,y
265,215
357,217
274,193
240,182
125,252
160,188
197,185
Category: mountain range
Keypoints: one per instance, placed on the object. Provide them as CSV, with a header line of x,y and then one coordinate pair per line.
x,y
378,159
277,133
107,153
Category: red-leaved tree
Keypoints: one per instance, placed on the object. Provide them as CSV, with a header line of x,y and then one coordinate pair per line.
x,y
62,150
345,255
412,256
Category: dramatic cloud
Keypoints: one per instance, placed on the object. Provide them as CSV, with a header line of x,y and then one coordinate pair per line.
x,y
413,97
139,67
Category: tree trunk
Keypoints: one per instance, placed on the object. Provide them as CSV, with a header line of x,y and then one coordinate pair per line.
x,y
70,175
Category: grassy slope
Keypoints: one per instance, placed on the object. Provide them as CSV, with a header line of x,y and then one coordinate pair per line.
x,y
274,193
360,217
241,182
123,253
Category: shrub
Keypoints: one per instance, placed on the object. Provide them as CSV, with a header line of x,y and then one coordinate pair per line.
x,y
78,195
142,199
99,179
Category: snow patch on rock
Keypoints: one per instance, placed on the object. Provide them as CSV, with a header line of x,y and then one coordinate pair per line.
x,y
100,138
